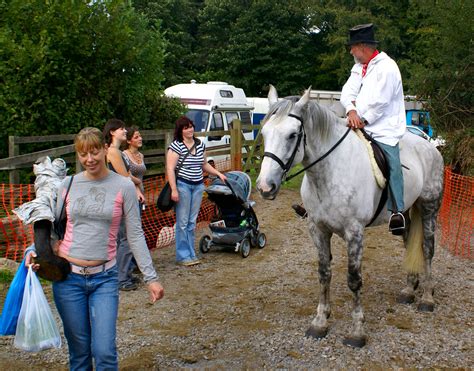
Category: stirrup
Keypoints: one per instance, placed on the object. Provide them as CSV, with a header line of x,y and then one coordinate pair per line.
x,y
396,224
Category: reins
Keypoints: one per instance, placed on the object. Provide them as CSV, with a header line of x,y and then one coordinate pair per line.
x,y
321,158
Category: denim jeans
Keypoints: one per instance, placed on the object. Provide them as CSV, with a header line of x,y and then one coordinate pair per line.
x,y
88,306
187,210
395,199
124,256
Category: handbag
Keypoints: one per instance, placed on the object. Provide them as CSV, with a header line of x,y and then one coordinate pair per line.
x,y
36,329
164,202
60,224
12,305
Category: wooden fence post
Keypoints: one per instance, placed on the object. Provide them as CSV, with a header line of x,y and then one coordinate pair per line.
x,y
169,136
13,150
236,145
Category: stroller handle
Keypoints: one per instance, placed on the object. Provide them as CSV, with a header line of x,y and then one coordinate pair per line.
x,y
230,187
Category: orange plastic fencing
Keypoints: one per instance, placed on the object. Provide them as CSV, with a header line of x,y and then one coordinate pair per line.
x,y
15,237
158,226
456,216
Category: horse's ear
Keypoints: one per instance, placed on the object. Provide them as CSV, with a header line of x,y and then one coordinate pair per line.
x,y
305,98
272,95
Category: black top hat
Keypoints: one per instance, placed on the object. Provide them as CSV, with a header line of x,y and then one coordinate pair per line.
x,y
362,33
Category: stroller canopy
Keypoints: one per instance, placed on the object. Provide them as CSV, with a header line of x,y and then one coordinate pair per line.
x,y
238,184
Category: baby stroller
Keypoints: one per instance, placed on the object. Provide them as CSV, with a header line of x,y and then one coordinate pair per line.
x,y
236,224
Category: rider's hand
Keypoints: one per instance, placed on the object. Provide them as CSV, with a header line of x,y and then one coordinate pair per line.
x,y
353,120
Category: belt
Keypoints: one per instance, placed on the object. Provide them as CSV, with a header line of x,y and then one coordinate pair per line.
x,y
85,271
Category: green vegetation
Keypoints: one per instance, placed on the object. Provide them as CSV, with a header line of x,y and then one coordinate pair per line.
x,y
6,276
294,183
66,65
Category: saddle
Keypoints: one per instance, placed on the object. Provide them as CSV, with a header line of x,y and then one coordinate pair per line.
x,y
382,165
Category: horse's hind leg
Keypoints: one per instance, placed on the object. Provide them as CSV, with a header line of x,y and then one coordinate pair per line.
x,y
429,212
407,295
319,326
354,279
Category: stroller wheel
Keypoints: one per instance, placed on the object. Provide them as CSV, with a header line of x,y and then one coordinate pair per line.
x,y
205,244
261,240
245,248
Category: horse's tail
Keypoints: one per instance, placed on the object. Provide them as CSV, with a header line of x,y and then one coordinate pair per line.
x,y
414,258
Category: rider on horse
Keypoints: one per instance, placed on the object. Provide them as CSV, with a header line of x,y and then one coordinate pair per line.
x,y
373,99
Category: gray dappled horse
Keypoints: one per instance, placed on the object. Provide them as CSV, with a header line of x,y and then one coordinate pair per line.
x,y
341,196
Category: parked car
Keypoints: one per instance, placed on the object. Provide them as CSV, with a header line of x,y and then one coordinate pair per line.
x,y
438,141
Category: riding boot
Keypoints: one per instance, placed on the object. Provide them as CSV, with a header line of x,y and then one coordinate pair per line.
x,y
396,224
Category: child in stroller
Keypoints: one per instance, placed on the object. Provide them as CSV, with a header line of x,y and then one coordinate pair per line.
x,y
236,224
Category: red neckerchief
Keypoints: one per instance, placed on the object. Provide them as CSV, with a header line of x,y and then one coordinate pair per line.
x,y
364,65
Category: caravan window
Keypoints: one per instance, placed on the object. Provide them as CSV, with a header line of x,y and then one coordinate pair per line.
x,y
217,122
200,119
245,118
230,116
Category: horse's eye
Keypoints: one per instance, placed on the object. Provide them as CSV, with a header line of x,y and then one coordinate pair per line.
x,y
292,136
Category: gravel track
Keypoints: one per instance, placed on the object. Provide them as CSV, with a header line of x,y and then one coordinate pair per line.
x,y
234,313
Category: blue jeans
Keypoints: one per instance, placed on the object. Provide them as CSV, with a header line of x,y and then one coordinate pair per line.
x,y
88,306
124,256
395,199
187,210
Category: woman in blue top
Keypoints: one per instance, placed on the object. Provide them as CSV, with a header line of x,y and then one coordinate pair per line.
x,y
188,186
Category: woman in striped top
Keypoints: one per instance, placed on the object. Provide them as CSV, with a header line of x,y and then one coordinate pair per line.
x,y
187,186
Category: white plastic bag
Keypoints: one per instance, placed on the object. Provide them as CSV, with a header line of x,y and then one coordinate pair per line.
x,y
36,329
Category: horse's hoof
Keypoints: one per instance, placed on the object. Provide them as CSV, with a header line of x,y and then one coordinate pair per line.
x,y
405,299
317,333
426,307
357,342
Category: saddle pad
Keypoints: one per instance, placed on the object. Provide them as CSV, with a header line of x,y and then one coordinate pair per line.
x,y
379,177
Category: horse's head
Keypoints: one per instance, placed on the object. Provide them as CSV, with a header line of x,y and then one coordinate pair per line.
x,y
283,136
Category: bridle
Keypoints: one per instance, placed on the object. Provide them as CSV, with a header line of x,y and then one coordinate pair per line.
x,y
301,134
286,167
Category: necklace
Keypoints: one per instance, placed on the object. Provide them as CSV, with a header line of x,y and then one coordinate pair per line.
x,y
136,156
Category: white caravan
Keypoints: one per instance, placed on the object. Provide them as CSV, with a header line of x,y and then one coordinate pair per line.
x,y
212,107
330,99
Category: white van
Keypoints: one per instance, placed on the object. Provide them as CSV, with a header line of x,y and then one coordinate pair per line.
x,y
212,107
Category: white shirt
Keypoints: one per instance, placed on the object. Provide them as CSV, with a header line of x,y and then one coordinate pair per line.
x,y
378,98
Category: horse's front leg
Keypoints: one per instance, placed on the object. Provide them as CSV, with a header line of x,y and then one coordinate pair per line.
x,y
357,338
322,240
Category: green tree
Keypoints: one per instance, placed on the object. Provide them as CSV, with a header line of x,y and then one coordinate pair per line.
x,y
443,74
66,65
336,17
254,43
178,22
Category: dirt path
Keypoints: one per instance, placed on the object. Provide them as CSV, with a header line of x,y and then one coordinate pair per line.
x,y
235,313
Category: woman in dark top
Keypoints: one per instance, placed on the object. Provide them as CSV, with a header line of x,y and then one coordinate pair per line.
x,y
115,134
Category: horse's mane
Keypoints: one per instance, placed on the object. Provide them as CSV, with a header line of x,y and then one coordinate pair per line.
x,y
315,116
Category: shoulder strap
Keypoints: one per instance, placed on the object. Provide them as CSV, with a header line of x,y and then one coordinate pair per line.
x,y
178,166
64,202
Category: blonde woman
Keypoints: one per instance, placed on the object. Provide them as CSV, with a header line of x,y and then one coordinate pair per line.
x,y
87,300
